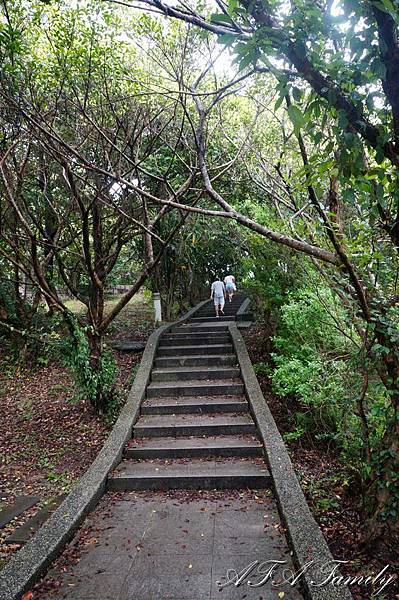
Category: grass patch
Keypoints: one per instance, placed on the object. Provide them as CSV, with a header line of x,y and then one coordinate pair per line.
x,y
79,308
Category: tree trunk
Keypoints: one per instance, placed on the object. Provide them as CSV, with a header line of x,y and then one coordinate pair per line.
x,y
384,490
101,396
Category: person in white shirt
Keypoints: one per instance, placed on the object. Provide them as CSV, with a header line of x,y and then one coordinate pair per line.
x,y
218,293
230,283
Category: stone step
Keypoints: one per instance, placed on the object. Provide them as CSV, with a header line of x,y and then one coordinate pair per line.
x,y
235,302
22,534
245,317
197,425
181,332
190,340
201,328
212,319
198,335
228,312
184,373
238,300
20,505
217,387
196,474
232,306
194,405
128,345
199,360
193,350
194,447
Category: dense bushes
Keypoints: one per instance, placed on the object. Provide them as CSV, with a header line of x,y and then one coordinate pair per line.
x,y
8,309
94,372
319,360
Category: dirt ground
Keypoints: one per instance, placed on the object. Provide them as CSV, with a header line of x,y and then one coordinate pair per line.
x,y
47,437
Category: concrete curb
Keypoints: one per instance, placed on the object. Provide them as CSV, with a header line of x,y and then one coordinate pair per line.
x,y
31,561
243,309
306,539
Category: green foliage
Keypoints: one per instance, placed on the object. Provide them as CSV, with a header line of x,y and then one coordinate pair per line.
x,y
204,249
94,378
27,331
296,117
8,309
310,324
321,492
262,369
317,362
272,273
63,479
291,436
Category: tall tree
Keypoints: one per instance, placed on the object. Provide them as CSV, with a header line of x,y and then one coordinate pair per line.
x,y
70,138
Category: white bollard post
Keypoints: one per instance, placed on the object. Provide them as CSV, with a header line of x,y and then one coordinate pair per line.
x,y
157,307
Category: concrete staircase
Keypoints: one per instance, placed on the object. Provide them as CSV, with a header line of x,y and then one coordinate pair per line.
x,y
195,430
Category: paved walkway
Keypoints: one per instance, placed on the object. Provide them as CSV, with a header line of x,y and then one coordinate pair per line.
x,y
138,546
191,499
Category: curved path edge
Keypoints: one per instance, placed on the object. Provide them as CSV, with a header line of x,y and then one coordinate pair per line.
x,y
31,561
306,539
